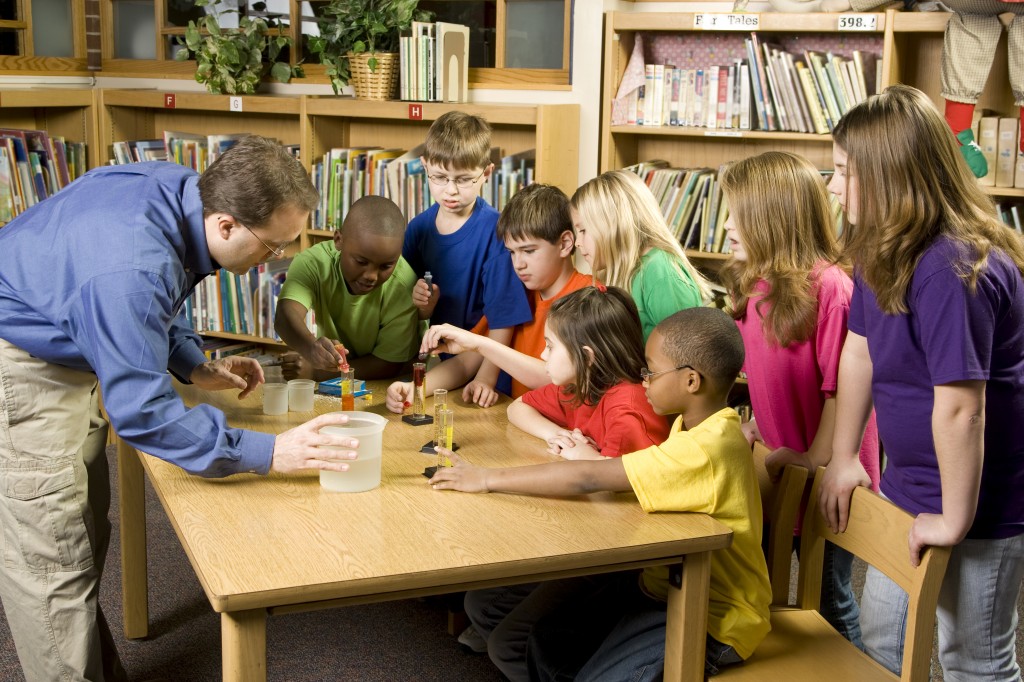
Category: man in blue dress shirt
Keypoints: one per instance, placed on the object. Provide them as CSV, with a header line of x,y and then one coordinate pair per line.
x,y
92,282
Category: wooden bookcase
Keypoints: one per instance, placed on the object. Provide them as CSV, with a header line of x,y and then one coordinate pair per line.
x,y
70,113
910,45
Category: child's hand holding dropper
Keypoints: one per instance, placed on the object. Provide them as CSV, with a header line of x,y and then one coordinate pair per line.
x,y
446,338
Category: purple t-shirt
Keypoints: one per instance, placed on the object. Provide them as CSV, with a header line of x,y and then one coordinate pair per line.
x,y
950,335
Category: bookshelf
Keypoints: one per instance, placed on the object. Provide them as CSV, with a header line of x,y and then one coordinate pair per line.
x,y
70,113
551,129
907,46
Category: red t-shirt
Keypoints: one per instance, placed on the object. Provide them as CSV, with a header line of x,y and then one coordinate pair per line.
x,y
621,422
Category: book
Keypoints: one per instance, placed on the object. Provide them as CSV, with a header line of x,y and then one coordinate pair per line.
x,y
1006,151
452,63
988,140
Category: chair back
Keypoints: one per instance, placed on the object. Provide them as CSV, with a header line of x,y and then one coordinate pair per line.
x,y
780,501
877,532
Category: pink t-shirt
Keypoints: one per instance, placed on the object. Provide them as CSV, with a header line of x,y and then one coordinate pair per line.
x,y
789,386
622,421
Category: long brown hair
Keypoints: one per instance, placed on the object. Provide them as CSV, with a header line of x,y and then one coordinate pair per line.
x,y
913,186
605,320
625,220
780,207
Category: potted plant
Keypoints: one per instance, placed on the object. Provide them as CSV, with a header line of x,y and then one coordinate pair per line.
x,y
361,36
233,61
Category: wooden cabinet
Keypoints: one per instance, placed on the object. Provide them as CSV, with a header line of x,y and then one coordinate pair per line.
x,y
65,112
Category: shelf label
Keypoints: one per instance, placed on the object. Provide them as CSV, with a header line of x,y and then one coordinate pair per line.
x,y
726,22
168,100
415,112
858,22
722,133
234,104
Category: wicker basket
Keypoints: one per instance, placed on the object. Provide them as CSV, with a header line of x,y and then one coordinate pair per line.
x,y
378,84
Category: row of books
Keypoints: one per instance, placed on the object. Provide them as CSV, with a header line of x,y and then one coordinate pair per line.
x,y
344,175
240,304
769,90
33,166
187,149
692,203
999,139
434,63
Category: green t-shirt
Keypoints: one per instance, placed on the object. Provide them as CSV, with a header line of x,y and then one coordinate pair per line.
x,y
383,322
660,289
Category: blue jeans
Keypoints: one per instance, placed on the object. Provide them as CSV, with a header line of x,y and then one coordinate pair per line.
x,y
838,604
977,613
616,637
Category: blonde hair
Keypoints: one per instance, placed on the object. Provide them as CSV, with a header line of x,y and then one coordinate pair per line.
x,y
913,187
780,207
457,140
625,220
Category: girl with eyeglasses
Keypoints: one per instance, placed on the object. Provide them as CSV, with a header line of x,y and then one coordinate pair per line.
x,y
791,300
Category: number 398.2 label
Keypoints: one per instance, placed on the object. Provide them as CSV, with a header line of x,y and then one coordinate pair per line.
x,y
858,22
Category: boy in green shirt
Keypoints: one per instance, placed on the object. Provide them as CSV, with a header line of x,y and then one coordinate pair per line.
x,y
360,291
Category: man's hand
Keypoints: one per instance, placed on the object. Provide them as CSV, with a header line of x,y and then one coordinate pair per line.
x,y
461,475
244,374
480,393
447,338
424,297
294,366
398,396
304,447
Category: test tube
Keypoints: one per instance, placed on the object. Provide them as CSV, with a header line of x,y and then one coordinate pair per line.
x,y
448,417
348,400
440,404
419,375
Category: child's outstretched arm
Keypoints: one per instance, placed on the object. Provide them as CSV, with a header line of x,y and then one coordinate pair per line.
x,y
525,369
552,479
481,389
448,374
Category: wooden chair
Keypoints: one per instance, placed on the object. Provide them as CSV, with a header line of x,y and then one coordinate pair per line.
x,y
781,504
803,646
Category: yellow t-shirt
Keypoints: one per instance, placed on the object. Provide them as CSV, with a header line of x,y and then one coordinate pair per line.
x,y
709,469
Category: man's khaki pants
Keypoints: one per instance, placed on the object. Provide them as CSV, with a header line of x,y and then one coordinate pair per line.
x,y
54,531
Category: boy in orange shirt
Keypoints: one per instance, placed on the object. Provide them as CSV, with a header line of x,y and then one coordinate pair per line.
x,y
537,230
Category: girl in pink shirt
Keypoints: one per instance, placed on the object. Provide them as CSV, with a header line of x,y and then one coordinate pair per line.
x,y
791,301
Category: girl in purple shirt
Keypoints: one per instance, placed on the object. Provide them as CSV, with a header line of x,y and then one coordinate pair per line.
x,y
936,344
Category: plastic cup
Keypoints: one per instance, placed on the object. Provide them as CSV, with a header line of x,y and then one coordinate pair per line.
x,y
364,471
273,375
275,398
300,395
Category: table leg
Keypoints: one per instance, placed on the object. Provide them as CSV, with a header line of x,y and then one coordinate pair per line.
x,y
686,625
243,638
134,586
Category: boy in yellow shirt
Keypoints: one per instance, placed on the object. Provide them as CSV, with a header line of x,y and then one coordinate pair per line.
x,y
613,627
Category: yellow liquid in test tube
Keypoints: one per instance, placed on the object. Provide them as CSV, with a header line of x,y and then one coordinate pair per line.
x,y
448,417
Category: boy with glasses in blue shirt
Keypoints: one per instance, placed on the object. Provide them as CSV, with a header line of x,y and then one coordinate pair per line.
x,y
456,240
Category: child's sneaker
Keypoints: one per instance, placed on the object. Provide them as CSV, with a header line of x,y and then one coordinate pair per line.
x,y
472,640
972,153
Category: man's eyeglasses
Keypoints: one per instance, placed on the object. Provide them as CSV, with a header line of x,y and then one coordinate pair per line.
x,y
646,375
462,182
276,251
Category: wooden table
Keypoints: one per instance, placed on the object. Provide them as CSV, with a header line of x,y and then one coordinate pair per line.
x,y
278,544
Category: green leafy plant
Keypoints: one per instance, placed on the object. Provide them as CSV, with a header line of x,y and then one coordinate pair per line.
x,y
233,61
360,26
